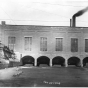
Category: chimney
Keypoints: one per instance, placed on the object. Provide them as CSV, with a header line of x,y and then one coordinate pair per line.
x,y
73,21
79,13
70,23
3,23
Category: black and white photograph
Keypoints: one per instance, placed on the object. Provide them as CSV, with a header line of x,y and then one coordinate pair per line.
x,y
43,43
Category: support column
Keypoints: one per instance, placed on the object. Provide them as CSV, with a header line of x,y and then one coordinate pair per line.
x,y
66,63
20,56
35,62
81,63
50,62
20,59
81,60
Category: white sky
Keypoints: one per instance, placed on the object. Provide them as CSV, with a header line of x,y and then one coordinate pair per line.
x,y
43,12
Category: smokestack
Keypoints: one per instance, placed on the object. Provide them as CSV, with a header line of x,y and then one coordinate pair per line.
x,y
3,23
73,21
79,13
70,22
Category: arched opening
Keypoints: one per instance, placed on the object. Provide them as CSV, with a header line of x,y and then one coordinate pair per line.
x,y
43,60
74,61
27,60
85,61
58,61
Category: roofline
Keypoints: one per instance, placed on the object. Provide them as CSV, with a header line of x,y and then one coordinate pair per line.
x,y
42,26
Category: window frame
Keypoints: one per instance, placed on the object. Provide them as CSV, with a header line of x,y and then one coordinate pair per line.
x,y
85,45
30,46
42,48
61,44
72,48
12,44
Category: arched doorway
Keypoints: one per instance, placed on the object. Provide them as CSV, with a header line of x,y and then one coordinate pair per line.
x,y
74,61
85,61
58,61
27,60
43,60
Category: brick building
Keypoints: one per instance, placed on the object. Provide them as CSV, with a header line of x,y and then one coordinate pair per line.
x,y
62,45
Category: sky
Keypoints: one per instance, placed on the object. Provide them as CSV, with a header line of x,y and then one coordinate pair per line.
x,y
43,12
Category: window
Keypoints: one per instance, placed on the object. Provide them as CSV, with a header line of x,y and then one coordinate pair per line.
x,y
43,44
11,42
28,43
74,45
59,44
86,45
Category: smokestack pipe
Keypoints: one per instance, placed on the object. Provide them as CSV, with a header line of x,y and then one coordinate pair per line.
x,y
73,21
70,22
3,23
79,13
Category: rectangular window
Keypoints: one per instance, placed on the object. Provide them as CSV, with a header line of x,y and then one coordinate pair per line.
x,y
86,45
43,44
11,42
59,44
28,43
74,45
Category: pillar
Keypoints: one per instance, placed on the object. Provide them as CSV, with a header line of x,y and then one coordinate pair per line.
x,y
81,63
50,62
81,60
20,59
66,63
20,56
35,63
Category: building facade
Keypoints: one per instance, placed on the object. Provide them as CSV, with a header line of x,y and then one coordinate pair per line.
x,y
56,43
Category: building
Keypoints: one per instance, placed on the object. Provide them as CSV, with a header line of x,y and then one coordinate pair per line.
x,y
47,44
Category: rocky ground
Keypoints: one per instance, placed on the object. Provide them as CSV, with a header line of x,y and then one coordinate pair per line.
x,y
49,77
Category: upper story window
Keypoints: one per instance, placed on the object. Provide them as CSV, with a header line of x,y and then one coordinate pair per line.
x,y
11,42
74,45
86,45
59,44
43,44
28,43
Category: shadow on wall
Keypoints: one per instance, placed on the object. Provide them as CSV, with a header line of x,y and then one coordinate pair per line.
x,y
27,60
43,60
58,61
85,61
74,61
